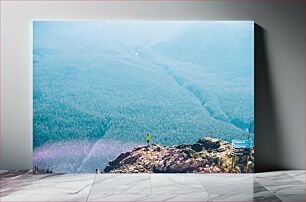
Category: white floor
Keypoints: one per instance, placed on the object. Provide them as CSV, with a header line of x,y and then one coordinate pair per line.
x,y
271,186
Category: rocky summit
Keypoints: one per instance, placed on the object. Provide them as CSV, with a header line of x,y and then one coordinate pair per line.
x,y
207,155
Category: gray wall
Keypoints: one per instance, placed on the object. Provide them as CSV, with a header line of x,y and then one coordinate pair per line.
x,y
279,82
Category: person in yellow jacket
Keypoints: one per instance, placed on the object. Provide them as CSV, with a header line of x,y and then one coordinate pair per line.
x,y
148,138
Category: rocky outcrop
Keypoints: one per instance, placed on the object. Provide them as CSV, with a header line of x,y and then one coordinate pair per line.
x,y
207,155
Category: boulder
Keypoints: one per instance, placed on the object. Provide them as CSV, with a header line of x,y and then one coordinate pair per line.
x,y
130,160
119,158
209,143
188,152
197,147
215,144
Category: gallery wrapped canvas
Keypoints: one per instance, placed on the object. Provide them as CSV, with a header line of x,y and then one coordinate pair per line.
x,y
143,96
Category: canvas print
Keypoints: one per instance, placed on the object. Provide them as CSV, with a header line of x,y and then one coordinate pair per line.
x,y
143,96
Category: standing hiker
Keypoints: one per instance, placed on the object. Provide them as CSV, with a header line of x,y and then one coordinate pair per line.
x,y
148,138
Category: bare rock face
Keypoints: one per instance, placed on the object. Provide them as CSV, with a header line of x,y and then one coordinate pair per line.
x,y
207,155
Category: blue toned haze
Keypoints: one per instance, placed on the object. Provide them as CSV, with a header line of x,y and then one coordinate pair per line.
x,y
99,87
